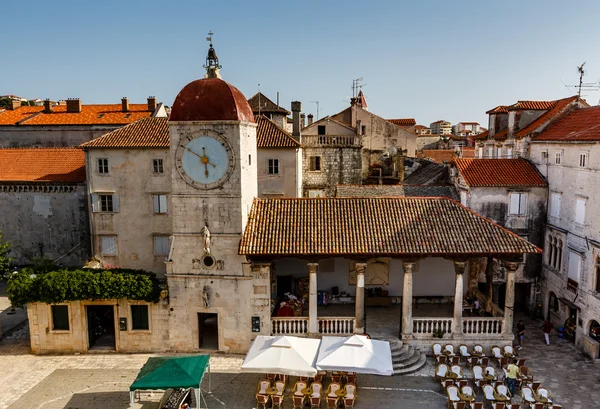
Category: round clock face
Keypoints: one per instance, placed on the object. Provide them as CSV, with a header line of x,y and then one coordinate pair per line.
x,y
204,162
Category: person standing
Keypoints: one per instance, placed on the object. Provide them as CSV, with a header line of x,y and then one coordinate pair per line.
x,y
512,372
520,333
547,328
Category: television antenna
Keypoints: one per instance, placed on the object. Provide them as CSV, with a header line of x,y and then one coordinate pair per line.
x,y
588,86
316,102
356,85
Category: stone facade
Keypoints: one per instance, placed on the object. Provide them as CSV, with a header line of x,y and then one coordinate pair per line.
x,y
46,220
134,221
339,165
287,182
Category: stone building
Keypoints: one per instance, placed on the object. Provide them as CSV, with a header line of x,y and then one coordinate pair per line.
x,y
129,187
43,201
279,158
567,153
511,128
70,124
512,193
263,106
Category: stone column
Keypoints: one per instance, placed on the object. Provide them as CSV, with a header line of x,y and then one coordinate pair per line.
x,y
360,298
509,299
489,283
459,269
407,325
312,299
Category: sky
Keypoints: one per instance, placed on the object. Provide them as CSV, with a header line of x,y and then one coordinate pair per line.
x,y
423,59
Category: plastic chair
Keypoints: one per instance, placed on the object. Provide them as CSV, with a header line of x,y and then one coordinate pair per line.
x,y
316,388
464,351
277,401
489,370
452,393
461,383
488,392
541,391
502,390
351,377
280,386
349,402
478,350
527,395
498,405
508,351
513,406
454,360
497,353
298,386
478,376
467,390
526,373
484,361
437,349
263,385
336,377
521,362
350,390
440,372
297,401
332,389
459,405
262,400
449,348
458,371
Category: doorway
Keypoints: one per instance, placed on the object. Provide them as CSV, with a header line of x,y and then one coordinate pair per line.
x,y
101,327
284,285
208,331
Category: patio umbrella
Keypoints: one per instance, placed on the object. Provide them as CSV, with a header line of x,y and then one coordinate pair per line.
x,y
355,354
282,355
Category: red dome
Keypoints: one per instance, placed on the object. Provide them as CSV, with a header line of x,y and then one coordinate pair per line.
x,y
211,99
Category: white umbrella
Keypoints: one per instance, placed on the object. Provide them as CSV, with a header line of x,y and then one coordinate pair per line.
x,y
282,355
355,354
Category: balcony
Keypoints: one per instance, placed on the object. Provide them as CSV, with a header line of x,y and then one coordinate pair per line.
x,y
332,140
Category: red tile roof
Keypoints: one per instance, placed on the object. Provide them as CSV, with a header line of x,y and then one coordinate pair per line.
x,y
500,109
578,125
11,117
42,165
145,133
499,172
269,135
439,155
403,121
483,135
421,127
468,152
374,226
105,114
266,105
503,134
560,106
532,105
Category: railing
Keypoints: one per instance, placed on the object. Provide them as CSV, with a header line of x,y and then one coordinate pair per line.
x,y
331,140
427,326
289,325
336,325
482,325
495,310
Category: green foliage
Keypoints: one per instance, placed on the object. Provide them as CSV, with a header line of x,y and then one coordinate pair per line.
x,y
29,285
438,333
4,259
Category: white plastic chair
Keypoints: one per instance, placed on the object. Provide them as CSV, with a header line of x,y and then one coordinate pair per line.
x,y
280,386
350,389
544,392
458,371
333,388
527,395
450,349
441,371
508,351
452,392
503,391
464,351
488,392
316,390
497,352
263,386
298,388
437,349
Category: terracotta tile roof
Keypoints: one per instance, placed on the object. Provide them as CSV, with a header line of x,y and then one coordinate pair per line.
x,y
428,172
500,109
483,135
468,152
503,134
266,105
578,125
269,135
499,172
532,105
107,114
439,155
144,133
374,226
11,117
42,165
421,127
403,121
559,107
397,191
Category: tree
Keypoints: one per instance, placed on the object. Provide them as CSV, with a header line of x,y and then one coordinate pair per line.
x,y
4,259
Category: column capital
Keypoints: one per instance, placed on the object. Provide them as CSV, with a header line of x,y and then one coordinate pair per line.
x,y
511,266
408,266
360,267
459,266
312,267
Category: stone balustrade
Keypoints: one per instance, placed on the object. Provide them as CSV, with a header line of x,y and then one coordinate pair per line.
x,y
425,327
481,326
298,326
336,325
289,325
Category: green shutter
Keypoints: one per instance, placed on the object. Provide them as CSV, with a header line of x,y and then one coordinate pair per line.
x,y
139,317
60,317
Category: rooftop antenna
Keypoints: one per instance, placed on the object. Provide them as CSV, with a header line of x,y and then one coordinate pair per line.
x,y
259,100
355,86
316,102
580,70
590,86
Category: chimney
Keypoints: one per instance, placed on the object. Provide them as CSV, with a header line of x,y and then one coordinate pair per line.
x,y
124,104
303,120
73,105
296,108
359,127
47,106
151,104
15,104
353,101
310,119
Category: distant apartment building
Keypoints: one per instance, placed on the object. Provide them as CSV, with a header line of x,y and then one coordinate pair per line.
x,y
441,127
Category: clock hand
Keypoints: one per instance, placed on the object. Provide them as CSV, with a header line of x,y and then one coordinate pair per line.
x,y
193,152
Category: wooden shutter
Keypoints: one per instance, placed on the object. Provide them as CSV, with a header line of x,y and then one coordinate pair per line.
x,y
116,206
522,203
95,203
514,203
580,211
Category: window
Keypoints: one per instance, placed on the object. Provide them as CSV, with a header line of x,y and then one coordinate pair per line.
x,y
161,245
273,166
580,211
139,317
160,203
103,166
60,317
315,164
574,271
554,252
105,203
555,204
108,245
490,152
518,204
480,152
558,158
583,160
544,156
321,130
499,152
157,166
363,130
553,303
597,270
509,153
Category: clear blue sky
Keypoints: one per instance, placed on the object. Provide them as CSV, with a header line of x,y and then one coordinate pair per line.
x,y
425,59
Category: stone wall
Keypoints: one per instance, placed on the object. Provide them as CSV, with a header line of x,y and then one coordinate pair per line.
x,y
339,165
45,220
287,183
50,136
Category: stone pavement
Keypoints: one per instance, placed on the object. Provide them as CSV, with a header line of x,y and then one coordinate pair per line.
x,y
94,381
10,318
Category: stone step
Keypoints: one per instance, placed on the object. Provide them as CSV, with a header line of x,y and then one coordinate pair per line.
x,y
407,370
403,357
407,360
400,351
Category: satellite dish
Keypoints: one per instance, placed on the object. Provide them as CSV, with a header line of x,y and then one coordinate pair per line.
x,y
392,150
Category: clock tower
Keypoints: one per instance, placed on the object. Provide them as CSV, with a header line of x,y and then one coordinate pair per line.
x,y
214,180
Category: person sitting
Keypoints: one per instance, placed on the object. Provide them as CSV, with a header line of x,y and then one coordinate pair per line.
x,y
285,310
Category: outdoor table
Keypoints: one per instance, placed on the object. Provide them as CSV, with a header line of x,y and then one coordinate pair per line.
x,y
489,378
306,391
452,375
340,393
271,391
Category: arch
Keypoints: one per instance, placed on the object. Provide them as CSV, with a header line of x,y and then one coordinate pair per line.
x,y
594,330
552,303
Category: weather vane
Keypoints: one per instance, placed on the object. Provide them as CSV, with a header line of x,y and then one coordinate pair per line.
x,y
209,38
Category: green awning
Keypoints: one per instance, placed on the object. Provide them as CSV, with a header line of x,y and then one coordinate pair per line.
x,y
171,372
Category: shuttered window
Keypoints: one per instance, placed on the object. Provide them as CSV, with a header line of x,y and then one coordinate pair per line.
x,y
580,211
139,317
574,270
105,203
108,245
518,204
60,317
315,163
159,203
161,245
555,204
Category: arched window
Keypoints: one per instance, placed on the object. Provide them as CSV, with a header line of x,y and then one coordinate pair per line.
x,y
550,250
553,303
595,330
559,250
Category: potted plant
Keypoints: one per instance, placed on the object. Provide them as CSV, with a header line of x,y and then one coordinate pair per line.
x,y
438,333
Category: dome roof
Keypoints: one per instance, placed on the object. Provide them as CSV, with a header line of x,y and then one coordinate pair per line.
x,y
211,99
